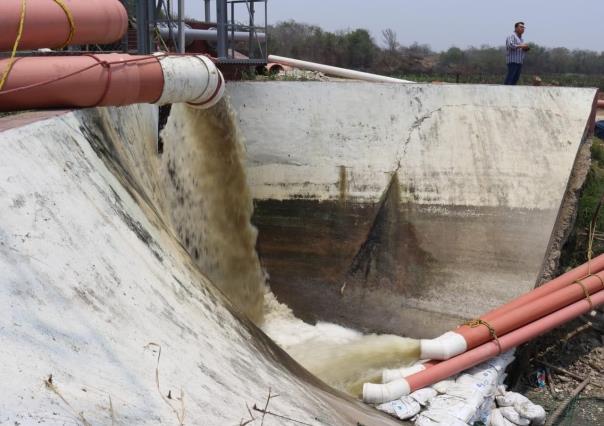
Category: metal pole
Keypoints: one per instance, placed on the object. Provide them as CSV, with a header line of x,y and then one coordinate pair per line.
x,y
221,21
207,10
142,27
181,26
252,31
232,30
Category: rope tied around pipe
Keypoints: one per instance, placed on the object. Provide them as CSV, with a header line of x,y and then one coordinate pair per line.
x,y
11,61
70,20
586,293
473,323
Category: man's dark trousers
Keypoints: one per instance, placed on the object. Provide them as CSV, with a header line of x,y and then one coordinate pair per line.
x,y
513,74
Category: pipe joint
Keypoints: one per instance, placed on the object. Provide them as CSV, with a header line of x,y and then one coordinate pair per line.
x,y
191,79
443,347
378,394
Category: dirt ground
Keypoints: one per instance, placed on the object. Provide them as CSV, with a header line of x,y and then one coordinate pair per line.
x,y
550,368
578,349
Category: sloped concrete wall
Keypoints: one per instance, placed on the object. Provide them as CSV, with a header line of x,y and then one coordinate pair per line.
x,y
406,208
94,286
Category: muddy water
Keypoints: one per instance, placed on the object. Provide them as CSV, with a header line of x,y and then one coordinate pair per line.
x,y
208,201
209,205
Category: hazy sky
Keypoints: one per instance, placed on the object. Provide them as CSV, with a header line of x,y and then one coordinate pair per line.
x,y
444,23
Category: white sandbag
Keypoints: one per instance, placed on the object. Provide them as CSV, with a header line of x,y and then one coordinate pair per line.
x,y
535,413
483,382
496,419
466,392
423,395
437,417
403,408
483,412
457,406
509,399
512,415
443,385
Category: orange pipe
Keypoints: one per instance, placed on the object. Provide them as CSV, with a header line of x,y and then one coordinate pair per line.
x,y
596,265
526,314
112,79
47,25
511,340
601,103
373,393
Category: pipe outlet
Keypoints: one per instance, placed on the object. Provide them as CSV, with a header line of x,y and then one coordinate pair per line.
x,y
191,79
443,347
378,394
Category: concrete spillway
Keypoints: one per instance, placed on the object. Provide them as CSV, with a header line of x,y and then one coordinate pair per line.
x,y
406,208
387,208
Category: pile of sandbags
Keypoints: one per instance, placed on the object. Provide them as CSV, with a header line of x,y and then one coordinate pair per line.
x,y
476,395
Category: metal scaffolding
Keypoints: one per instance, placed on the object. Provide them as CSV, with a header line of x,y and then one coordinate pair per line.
x,y
237,34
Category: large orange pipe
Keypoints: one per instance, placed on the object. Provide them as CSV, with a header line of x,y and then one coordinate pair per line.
x,y
601,103
394,390
125,81
595,265
528,313
110,80
464,338
46,23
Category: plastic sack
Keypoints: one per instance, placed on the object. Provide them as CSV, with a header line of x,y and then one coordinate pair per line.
x,y
483,412
466,392
459,407
510,398
512,415
403,408
535,413
496,419
437,417
443,385
423,395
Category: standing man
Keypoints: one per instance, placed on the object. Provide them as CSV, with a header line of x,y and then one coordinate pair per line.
x,y
515,51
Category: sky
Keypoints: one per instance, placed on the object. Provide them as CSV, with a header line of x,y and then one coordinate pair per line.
x,y
441,24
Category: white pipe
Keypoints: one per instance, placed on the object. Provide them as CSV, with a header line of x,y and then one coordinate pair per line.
x,y
191,79
335,71
377,394
445,346
192,34
400,373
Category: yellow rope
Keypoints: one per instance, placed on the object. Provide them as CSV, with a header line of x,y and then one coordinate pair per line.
x,y
477,322
591,305
15,46
71,23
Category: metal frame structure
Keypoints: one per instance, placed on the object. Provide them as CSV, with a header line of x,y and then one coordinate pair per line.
x,y
227,26
153,13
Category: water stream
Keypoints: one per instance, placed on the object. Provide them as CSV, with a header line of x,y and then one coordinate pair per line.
x,y
210,206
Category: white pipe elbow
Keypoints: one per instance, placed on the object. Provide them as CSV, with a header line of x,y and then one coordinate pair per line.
x,y
191,79
378,394
443,347
400,373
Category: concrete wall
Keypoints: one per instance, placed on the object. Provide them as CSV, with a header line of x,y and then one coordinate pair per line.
x,y
406,208
94,285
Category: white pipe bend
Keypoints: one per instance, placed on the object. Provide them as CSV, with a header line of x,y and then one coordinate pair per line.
x,y
443,347
378,394
191,79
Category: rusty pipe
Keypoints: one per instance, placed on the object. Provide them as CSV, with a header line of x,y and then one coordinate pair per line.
x,y
110,80
47,25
